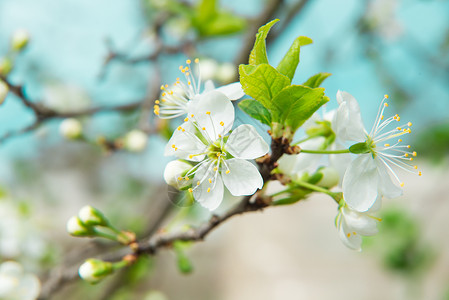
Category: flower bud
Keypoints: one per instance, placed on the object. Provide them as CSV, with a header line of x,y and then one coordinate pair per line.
x,y
330,177
94,270
3,91
5,66
136,141
226,73
19,39
91,216
71,128
174,171
76,227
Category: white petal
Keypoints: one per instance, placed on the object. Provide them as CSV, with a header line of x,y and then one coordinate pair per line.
x,y
233,91
215,113
184,143
360,183
387,185
245,142
361,223
339,161
347,123
243,178
209,86
351,240
209,199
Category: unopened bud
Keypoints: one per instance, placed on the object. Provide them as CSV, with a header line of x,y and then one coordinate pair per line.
x,y
330,177
71,128
136,141
91,216
94,270
4,89
5,66
226,73
76,227
174,171
19,39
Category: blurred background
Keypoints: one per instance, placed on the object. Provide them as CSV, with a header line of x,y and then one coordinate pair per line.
x,y
103,62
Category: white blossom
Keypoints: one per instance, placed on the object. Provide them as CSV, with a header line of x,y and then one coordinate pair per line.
x,y
136,140
71,128
19,39
352,225
371,173
16,284
180,99
221,160
174,173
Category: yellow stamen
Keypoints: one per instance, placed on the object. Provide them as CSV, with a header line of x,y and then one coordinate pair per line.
x,y
409,123
402,184
197,183
387,145
208,190
179,128
207,112
386,96
227,172
210,180
408,146
419,174
197,60
222,123
190,190
179,178
400,140
192,115
414,153
204,128
157,102
190,156
188,61
187,178
415,167
386,104
186,119
215,169
348,234
381,117
173,146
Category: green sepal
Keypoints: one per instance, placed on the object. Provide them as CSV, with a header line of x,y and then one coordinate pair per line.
x,y
360,148
290,62
185,266
316,80
258,54
256,110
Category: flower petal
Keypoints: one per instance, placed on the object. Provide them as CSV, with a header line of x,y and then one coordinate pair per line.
x,y
245,142
361,223
243,178
208,86
351,240
360,183
215,113
233,91
184,143
347,123
208,194
387,185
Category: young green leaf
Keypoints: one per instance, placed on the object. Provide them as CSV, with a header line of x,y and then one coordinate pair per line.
x,y
290,62
258,54
316,80
262,83
256,110
296,104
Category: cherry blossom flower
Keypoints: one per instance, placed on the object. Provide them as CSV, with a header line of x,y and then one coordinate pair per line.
x,y
178,99
221,159
371,173
16,284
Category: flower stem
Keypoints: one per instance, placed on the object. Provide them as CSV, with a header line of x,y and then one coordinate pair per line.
x,y
304,140
325,151
315,188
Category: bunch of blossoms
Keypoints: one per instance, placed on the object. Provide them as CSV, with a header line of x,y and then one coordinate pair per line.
x,y
370,176
211,155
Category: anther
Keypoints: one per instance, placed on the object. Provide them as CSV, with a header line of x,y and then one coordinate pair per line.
x,y
190,190
157,102
192,115
210,180
414,153
179,128
381,117
207,112
204,128
402,184
408,146
222,123
415,167
409,124
173,146
197,60
188,61
186,119
400,140
419,174
215,169
187,178
386,96
227,172
386,104
198,182
180,178
387,145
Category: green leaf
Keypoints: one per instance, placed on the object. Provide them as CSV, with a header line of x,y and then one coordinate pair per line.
x,y
262,83
258,54
290,62
256,110
316,80
296,104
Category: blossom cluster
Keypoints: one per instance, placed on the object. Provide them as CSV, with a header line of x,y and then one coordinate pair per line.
x,y
211,154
